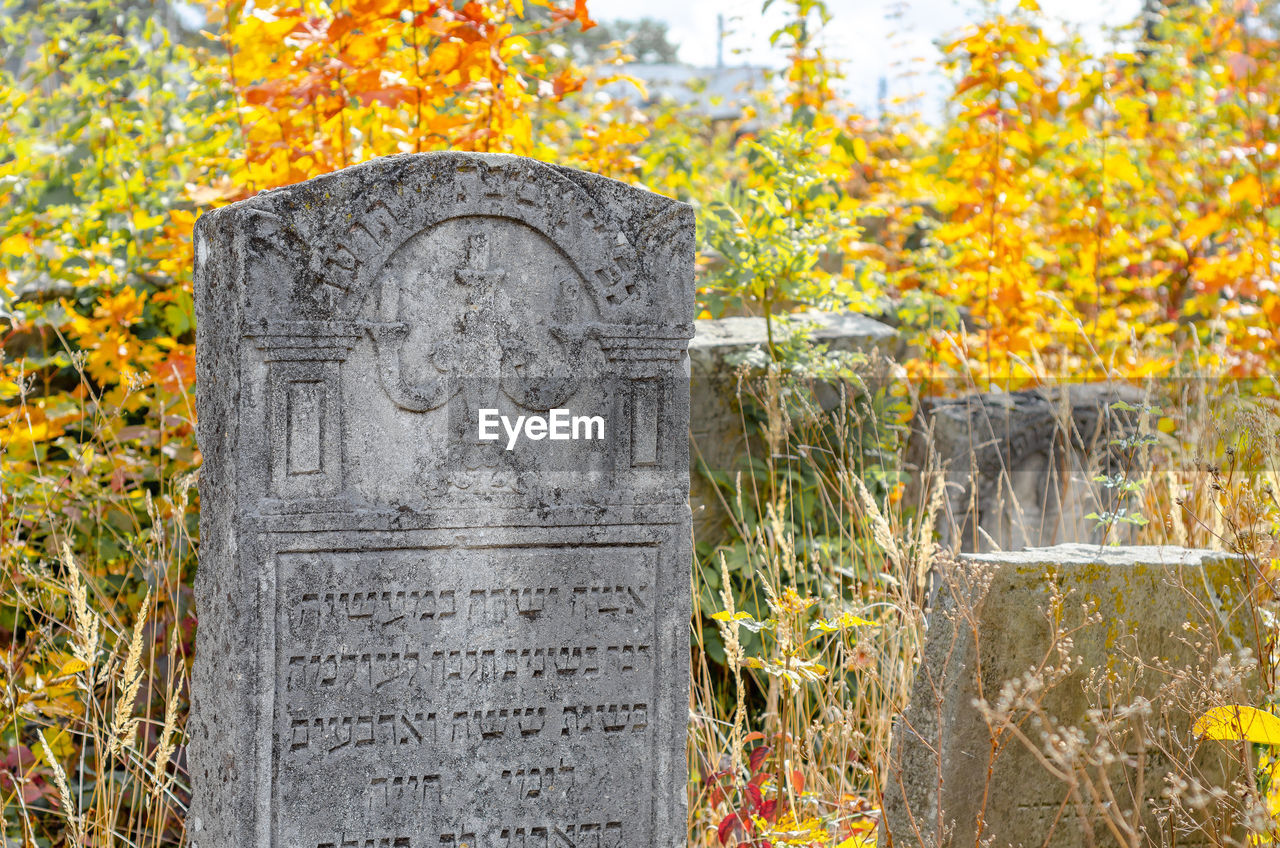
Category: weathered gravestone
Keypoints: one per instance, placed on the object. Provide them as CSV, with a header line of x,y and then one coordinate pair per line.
x,y
415,630
718,381
1021,468
942,779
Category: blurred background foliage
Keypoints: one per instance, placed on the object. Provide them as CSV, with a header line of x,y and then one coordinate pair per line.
x,y
1098,214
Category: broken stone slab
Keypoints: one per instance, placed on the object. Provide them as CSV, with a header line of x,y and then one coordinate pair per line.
x,y
1020,467
410,635
1127,612
716,355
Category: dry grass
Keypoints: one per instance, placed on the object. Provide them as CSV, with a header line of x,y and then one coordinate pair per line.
x,y
1199,468
837,574
96,620
798,709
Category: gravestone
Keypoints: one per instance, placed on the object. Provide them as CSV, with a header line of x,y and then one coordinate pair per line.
x,y
717,354
420,626
942,779
1021,467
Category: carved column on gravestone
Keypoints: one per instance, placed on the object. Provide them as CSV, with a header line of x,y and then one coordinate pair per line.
x,y
304,407
651,372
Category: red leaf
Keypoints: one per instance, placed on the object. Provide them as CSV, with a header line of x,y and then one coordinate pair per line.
x,y
732,823
726,825
757,756
769,810
19,757
34,790
754,795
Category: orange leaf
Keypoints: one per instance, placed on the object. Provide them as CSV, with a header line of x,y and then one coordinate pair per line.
x,y
797,781
1197,230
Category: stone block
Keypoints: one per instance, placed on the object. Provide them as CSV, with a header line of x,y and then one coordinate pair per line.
x,y
1124,613
716,354
1019,466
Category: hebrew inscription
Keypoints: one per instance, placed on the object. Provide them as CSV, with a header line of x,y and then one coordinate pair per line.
x,y
432,615
537,664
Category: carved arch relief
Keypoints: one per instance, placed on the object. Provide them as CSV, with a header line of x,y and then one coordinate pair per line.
x,y
477,306
343,277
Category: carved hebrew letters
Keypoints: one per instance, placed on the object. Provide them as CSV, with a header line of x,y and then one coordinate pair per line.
x,y
412,636
498,657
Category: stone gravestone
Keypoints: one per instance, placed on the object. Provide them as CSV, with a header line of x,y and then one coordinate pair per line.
x,y
942,780
445,538
1021,467
718,381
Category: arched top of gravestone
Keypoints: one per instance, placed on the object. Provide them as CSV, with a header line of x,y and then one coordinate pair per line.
x,y
314,251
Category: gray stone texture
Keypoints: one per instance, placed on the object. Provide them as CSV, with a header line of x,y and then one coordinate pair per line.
x,y
1020,466
410,637
716,355
937,778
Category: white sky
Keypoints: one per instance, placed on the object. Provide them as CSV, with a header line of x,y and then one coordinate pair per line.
x,y
862,34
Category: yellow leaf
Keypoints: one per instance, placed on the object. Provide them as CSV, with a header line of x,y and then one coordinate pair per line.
x,y
1246,189
70,667
1201,227
844,621
1237,723
143,221
15,245
723,615
1119,167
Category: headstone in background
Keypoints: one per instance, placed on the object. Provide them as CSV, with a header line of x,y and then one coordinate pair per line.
x,y
1020,467
716,354
941,777
411,636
